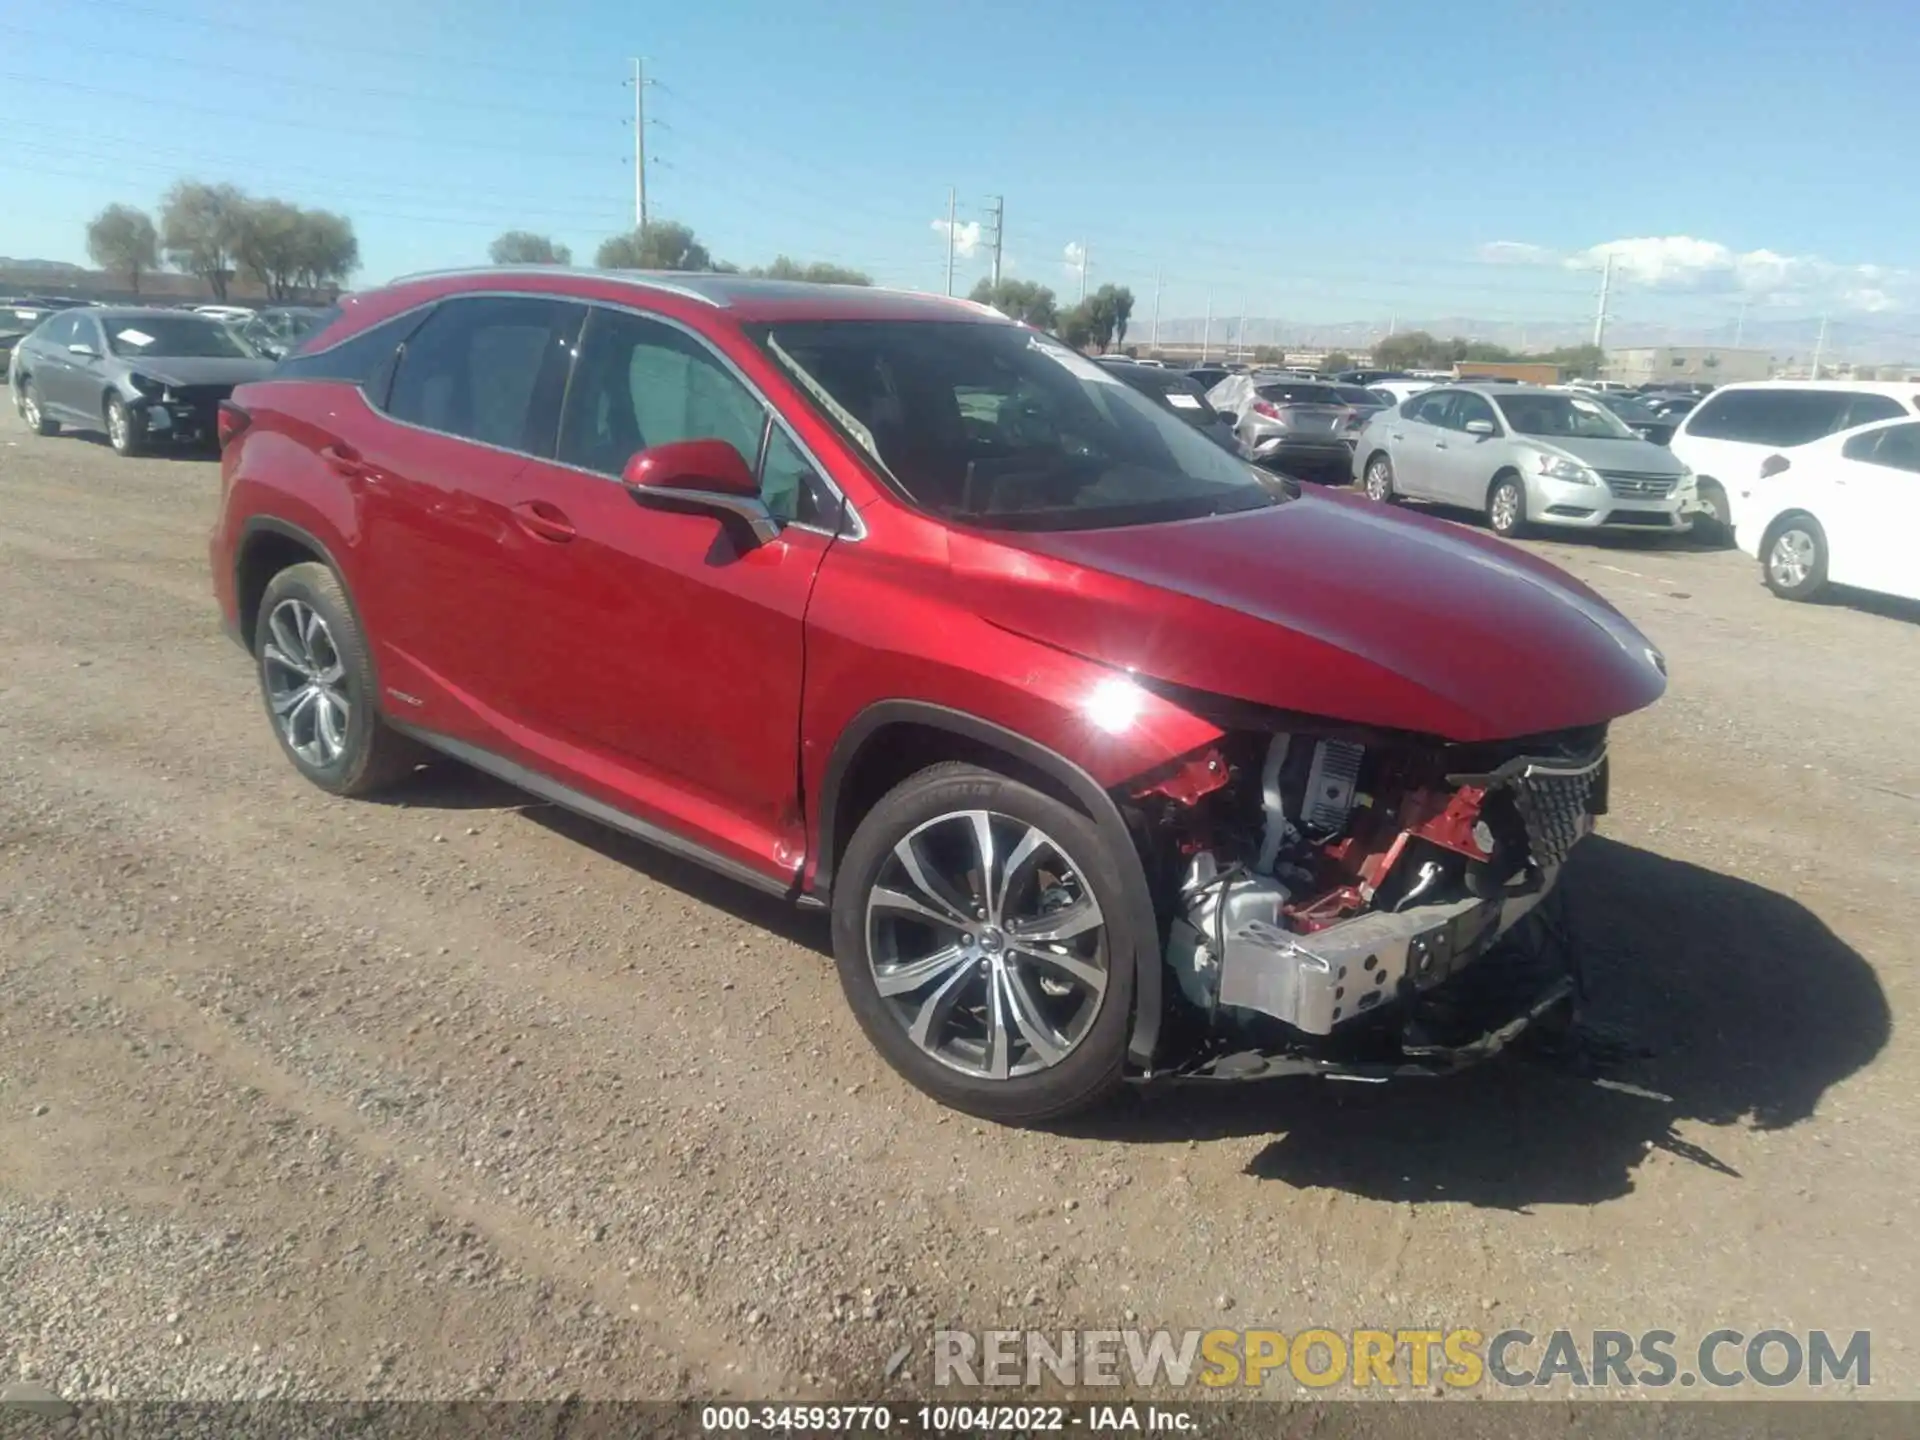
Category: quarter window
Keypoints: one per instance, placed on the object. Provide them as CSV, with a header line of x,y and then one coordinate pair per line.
x,y
489,369
1897,447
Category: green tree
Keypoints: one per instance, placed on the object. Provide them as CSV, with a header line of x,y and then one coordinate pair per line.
x,y
329,251
1024,300
817,273
661,245
122,240
1079,326
199,225
1337,360
268,244
1108,310
523,247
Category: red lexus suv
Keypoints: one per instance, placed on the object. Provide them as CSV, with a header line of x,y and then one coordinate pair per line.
x,y
1113,756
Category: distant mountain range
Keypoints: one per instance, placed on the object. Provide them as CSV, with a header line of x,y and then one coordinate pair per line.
x,y
1785,340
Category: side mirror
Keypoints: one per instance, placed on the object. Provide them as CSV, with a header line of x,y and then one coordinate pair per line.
x,y
706,475
1482,428
87,350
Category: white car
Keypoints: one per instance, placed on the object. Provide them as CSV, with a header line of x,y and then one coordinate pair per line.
x,y
1844,509
1401,391
1725,437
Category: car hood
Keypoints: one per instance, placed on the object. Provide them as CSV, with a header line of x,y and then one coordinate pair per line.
x,y
192,370
1327,605
1642,457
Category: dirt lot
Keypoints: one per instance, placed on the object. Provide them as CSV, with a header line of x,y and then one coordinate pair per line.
x,y
459,1095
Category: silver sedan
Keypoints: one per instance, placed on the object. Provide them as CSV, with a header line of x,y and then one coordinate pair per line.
x,y
1523,457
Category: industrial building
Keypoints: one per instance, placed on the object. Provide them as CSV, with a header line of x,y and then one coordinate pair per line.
x,y
1714,364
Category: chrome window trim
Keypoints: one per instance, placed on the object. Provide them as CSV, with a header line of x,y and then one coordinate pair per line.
x,y
852,527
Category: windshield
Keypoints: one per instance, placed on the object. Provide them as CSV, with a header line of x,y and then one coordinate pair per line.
x,y
1568,416
1002,427
179,336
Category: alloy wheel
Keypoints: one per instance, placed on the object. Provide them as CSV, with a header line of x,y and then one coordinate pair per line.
x,y
306,679
1506,507
1379,480
986,944
30,410
118,426
1791,559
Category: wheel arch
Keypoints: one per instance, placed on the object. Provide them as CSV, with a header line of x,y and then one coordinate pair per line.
x,y
1505,472
892,739
1780,521
267,546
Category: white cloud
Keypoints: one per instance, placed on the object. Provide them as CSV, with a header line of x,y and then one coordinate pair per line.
x,y
1073,256
966,236
1684,264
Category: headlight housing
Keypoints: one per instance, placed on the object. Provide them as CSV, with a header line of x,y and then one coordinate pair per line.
x,y
147,386
1559,467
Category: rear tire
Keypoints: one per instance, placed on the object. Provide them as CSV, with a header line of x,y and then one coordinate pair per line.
x,y
1379,480
316,678
34,413
1793,560
1507,507
1009,983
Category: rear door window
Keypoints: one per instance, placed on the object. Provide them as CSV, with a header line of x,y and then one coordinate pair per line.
x,y
1772,417
491,369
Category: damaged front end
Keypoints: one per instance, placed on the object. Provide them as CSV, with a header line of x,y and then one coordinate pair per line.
x,y
1352,903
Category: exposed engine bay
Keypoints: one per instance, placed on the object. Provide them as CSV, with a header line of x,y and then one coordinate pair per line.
x,y
1320,881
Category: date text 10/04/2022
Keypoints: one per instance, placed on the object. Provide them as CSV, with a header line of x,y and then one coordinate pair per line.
x,y
946,1419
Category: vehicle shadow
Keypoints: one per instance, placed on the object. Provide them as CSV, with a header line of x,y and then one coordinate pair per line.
x,y
1868,602
1731,1004
180,452
446,784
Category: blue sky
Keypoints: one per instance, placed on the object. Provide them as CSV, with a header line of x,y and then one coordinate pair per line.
x,y
1323,162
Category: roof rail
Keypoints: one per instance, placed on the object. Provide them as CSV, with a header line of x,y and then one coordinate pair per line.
x,y
640,279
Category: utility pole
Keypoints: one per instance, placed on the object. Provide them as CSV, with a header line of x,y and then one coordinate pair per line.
x,y
999,228
1740,325
1206,335
1083,271
950,217
1819,349
1243,330
1155,346
1600,316
639,148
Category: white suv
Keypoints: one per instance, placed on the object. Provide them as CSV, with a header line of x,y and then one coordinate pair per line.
x,y
1725,437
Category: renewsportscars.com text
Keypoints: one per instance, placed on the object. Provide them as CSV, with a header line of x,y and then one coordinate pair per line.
x,y
1459,1359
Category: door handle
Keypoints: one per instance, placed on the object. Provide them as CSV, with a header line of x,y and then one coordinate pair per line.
x,y
544,521
344,460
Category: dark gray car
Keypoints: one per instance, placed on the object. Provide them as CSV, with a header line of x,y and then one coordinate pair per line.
x,y
147,378
1184,396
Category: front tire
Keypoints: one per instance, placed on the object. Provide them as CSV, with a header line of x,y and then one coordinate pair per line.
x,y
126,431
316,677
1379,480
1794,559
1507,507
979,929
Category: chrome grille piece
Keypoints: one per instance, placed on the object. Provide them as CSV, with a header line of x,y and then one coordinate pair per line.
x,y
1638,487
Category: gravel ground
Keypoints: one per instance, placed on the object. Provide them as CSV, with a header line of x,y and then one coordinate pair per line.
x,y
458,1095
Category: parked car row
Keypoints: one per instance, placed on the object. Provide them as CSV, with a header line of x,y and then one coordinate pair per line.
x,y
1817,480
